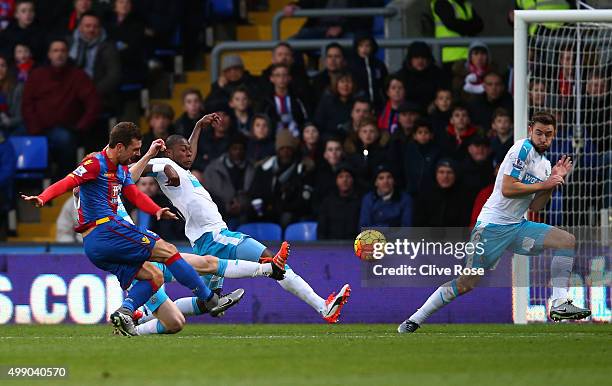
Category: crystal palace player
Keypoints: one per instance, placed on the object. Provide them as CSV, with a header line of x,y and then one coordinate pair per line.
x,y
525,181
116,246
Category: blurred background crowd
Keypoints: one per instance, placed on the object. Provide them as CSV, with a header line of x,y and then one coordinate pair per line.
x,y
333,137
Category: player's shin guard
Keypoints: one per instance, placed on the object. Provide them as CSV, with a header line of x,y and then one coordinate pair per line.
x,y
235,269
296,285
560,270
445,294
187,276
139,294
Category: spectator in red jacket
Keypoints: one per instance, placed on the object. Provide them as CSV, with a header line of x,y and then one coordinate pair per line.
x,y
481,199
60,100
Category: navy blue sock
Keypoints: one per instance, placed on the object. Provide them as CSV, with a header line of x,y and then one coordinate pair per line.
x,y
187,276
138,295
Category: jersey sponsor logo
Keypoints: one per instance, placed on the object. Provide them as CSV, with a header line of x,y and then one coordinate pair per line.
x,y
530,179
145,240
87,162
80,171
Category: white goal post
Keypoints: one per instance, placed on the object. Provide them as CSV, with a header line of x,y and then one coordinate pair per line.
x,y
522,293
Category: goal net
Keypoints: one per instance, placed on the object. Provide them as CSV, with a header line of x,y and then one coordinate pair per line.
x,y
568,72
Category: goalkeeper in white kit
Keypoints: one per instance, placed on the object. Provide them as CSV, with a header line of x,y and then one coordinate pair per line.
x,y
525,181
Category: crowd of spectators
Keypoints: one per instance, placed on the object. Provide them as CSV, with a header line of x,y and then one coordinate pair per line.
x,y
347,145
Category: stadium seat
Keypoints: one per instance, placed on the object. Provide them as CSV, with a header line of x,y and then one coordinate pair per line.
x,y
31,154
266,231
301,231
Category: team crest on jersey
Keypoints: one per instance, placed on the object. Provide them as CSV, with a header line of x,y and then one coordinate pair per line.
x,y
145,240
518,164
79,171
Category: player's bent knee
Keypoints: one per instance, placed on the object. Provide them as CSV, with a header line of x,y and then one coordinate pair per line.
x,y
175,324
164,250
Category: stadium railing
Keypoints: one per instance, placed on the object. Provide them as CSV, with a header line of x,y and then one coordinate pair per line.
x,y
323,12
436,44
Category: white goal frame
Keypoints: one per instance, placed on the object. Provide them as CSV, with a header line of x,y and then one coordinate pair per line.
x,y
520,267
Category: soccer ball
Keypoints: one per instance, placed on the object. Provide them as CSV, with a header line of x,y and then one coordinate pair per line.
x,y
364,243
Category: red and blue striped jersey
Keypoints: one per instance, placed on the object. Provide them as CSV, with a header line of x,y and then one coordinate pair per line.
x,y
101,182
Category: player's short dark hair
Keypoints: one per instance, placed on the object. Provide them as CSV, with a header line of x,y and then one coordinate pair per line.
x,y
174,140
543,117
124,132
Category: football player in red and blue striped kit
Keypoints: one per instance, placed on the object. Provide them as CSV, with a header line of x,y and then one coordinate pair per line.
x,y
113,244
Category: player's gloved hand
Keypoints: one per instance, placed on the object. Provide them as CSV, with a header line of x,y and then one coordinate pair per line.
x,y
172,175
165,214
35,200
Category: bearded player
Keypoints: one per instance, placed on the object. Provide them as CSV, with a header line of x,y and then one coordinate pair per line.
x,y
525,181
207,231
116,246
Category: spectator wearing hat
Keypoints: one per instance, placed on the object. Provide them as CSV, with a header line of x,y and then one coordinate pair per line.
x,y
335,105
385,206
213,142
285,109
477,167
228,179
334,63
260,144
459,130
420,76
419,159
468,76
233,75
339,212
368,71
396,95
446,204
282,187
160,118
495,96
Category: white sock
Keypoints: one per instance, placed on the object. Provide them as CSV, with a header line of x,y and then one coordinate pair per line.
x,y
560,270
151,327
296,285
241,268
188,306
442,296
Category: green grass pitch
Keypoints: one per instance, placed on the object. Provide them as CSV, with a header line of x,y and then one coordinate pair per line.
x,y
560,354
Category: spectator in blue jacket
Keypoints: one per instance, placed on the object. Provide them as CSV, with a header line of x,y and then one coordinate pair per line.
x,y
385,206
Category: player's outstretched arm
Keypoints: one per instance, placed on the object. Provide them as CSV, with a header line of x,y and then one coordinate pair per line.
x,y
138,168
88,170
512,187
